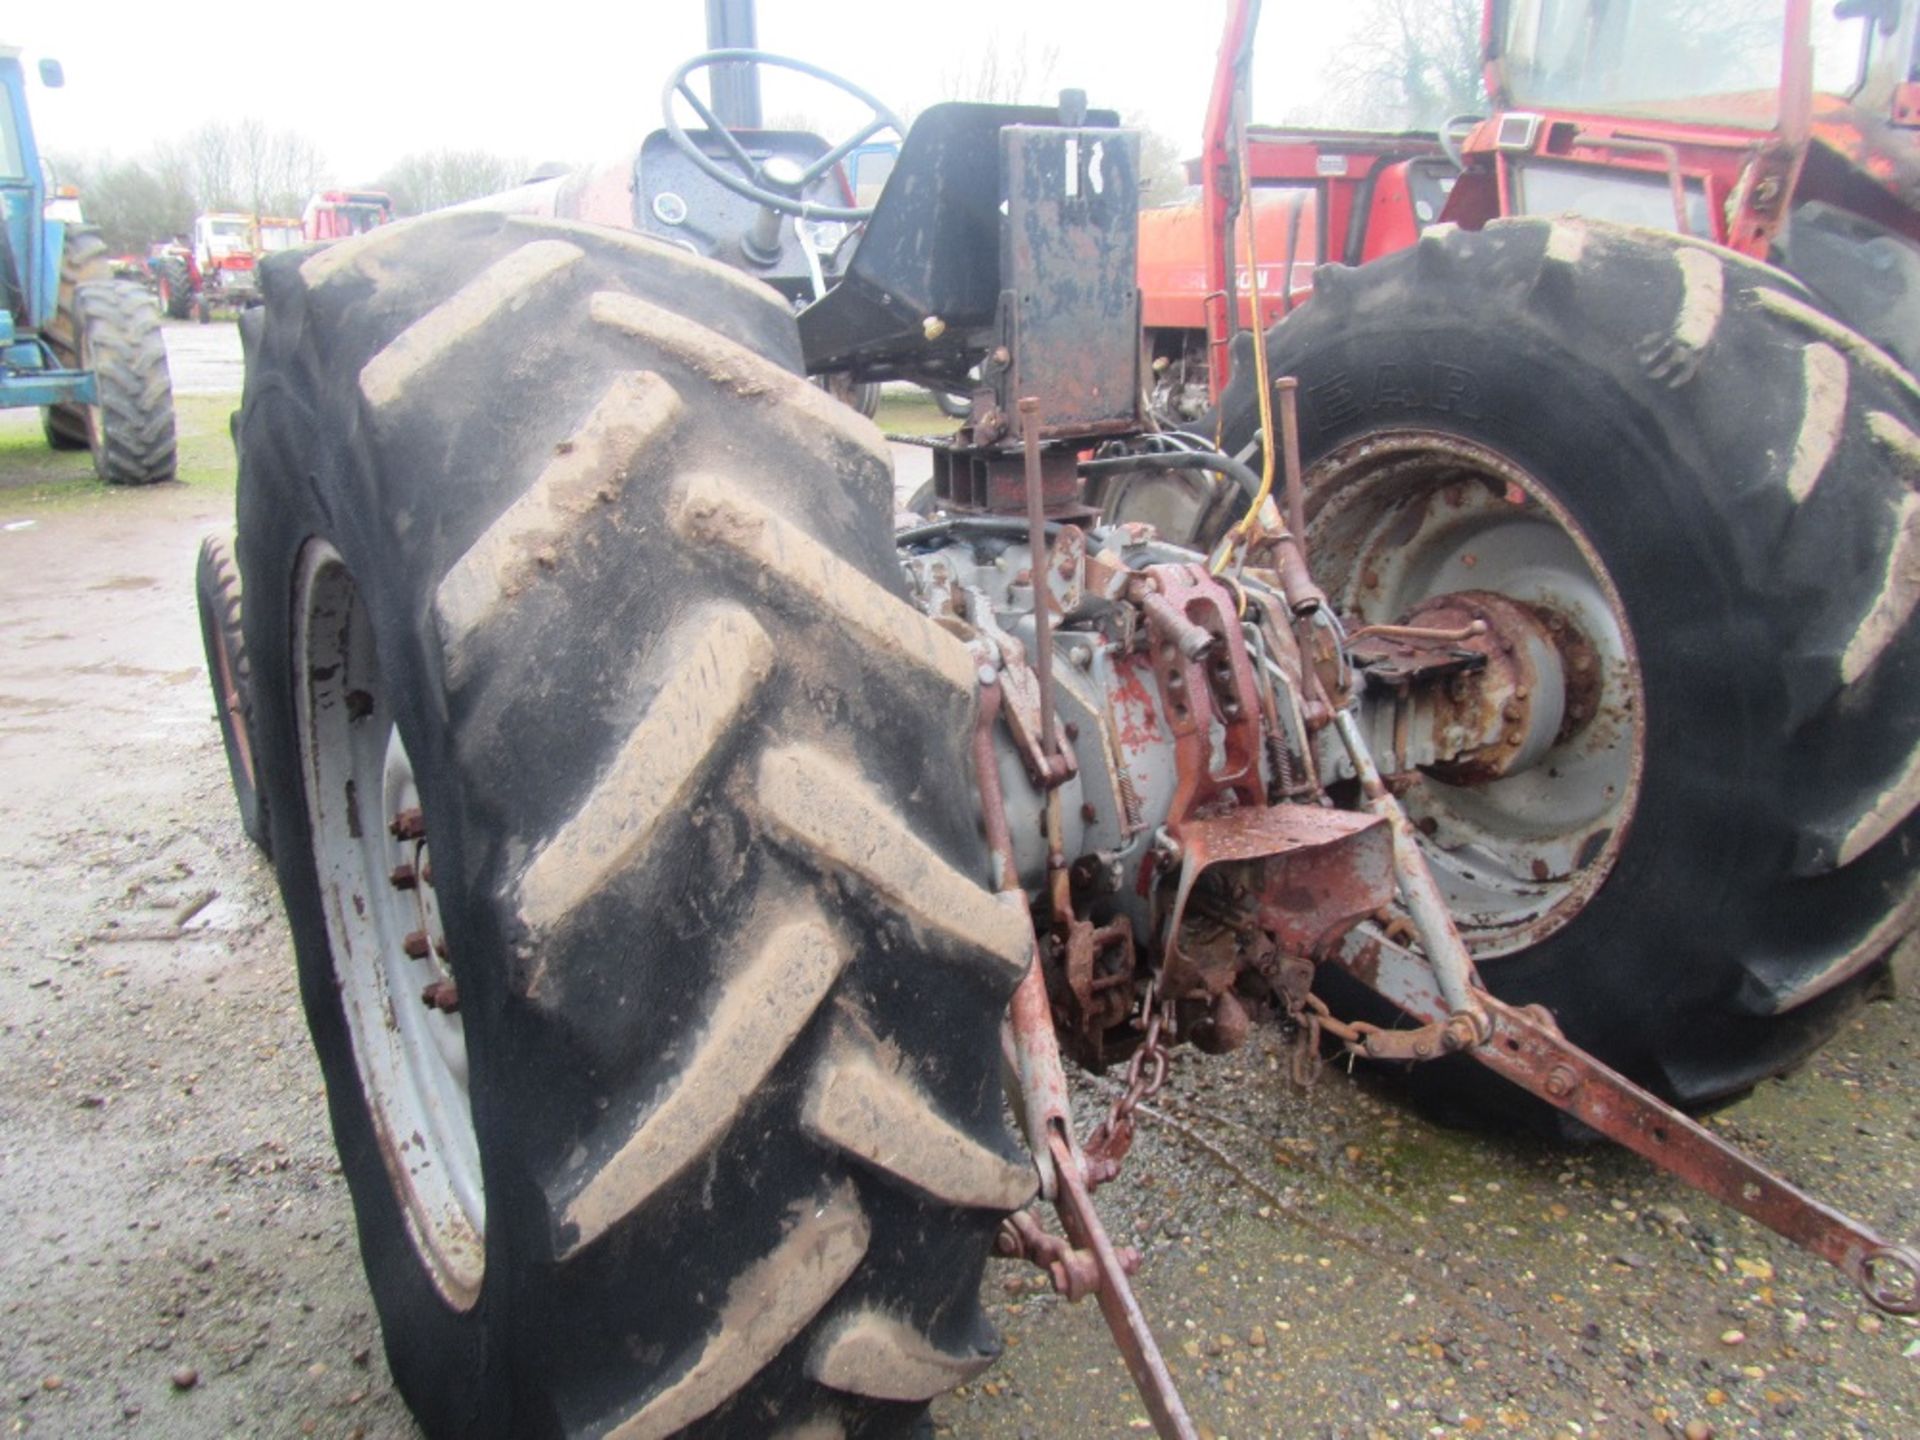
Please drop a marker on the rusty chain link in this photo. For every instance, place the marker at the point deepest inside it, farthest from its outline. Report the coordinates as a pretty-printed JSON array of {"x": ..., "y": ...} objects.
[{"x": 1112, "y": 1138}]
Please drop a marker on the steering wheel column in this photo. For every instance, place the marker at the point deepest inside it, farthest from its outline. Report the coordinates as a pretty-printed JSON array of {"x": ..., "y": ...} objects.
[{"x": 779, "y": 184}]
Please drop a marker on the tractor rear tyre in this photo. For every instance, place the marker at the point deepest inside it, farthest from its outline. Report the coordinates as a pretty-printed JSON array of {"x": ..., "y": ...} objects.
[
  {"x": 84, "y": 260},
  {"x": 130, "y": 425},
  {"x": 590, "y": 714},
  {"x": 174, "y": 282},
  {"x": 216, "y": 585},
  {"x": 1704, "y": 488}
]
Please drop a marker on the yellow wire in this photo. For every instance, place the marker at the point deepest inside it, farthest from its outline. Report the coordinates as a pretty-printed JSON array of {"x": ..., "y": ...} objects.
[{"x": 1247, "y": 521}]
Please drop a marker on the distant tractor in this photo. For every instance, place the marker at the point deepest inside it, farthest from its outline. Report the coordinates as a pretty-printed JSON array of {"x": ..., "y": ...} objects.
[
  {"x": 219, "y": 269},
  {"x": 79, "y": 344},
  {"x": 338, "y": 214}
]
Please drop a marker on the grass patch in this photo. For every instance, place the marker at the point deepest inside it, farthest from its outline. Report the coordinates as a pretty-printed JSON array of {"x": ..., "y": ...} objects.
[
  {"x": 911, "y": 412},
  {"x": 34, "y": 476}
]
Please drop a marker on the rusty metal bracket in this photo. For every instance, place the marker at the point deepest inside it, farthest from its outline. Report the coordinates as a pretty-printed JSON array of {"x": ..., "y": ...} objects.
[
  {"x": 1526, "y": 1047},
  {"x": 1040, "y": 1095},
  {"x": 1074, "y": 1273},
  {"x": 1117, "y": 1303},
  {"x": 1541, "y": 1060}
]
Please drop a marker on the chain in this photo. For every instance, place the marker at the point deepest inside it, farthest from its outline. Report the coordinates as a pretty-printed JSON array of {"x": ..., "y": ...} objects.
[{"x": 1112, "y": 1138}]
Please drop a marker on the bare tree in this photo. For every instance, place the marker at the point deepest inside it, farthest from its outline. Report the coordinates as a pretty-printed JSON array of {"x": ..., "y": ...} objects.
[
  {"x": 1410, "y": 65},
  {"x": 1163, "y": 174},
  {"x": 1021, "y": 74},
  {"x": 246, "y": 165},
  {"x": 212, "y": 167},
  {"x": 132, "y": 202},
  {"x": 430, "y": 179}
]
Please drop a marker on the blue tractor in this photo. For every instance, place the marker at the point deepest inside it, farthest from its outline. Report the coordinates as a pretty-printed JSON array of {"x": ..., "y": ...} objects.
[{"x": 84, "y": 347}]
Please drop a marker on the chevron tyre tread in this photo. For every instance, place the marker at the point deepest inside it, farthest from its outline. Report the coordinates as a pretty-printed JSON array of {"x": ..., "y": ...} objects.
[
  {"x": 132, "y": 433},
  {"x": 84, "y": 259},
  {"x": 1748, "y": 471},
  {"x": 631, "y": 580}
]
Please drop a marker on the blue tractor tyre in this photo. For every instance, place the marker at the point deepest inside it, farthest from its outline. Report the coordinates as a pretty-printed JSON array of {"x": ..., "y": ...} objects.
[{"x": 83, "y": 261}]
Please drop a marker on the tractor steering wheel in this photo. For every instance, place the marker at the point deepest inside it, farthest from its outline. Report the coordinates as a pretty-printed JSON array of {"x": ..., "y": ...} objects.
[
  {"x": 1453, "y": 133},
  {"x": 777, "y": 183}
]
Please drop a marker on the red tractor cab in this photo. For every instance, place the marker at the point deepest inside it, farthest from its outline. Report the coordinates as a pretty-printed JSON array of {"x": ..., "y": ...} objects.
[
  {"x": 336, "y": 214},
  {"x": 1785, "y": 130}
]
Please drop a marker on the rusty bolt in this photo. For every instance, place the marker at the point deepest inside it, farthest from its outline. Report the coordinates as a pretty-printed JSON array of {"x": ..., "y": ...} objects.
[
  {"x": 416, "y": 945},
  {"x": 1458, "y": 1034},
  {"x": 1583, "y": 659},
  {"x": 1089, "y": 814},
  {"x": 1562, "y": 1082},
  {"x": 1001, "y": 355},
  {"x": 441, "y": 995},
  {"x": 403, "y": 877},
  {"x": 408, "y": 825},
  {"x": 1513, "y": 739},
  {"x": 1511, "y": 710}
]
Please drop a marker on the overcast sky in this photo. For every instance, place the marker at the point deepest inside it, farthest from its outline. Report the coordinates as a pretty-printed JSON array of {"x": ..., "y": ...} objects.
[{"x": 576, "y": 82}]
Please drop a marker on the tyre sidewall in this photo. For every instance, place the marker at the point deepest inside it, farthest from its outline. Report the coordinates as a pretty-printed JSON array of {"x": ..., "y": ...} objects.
[
  {"x": 463, "y": 1389},
  {"x": 215, "y": 638}
]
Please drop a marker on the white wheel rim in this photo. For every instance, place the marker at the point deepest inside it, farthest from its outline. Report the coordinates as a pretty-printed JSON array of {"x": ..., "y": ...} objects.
[{"x": 411, "y": 1056}]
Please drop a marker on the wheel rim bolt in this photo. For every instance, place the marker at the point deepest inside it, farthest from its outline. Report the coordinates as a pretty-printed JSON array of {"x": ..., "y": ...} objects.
[
  {"x": 408, "y": 825},
  {"x": 416, "y": 945},
  {"x": 441, "y": 995}
]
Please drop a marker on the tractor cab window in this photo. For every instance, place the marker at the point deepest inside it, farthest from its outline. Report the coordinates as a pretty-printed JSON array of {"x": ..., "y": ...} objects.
[
  {"x": 868, "y": 168},
  {"x": 229, "y": 229},
  {"x": 12, "y": 165},
  {"x": 1717, "y": 61}
]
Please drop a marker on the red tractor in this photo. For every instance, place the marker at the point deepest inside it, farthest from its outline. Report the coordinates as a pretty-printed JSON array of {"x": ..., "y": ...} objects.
[
  {"x": 1745, "y": 133},
  {"x": 338, "y": 214},
  {"x": 1511, "y": 679},
  {"x": 218, "y": 270}
]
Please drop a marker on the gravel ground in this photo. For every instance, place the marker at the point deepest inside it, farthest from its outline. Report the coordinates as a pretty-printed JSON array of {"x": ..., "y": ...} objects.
[
  {"x": 204, "y": 359},
  {"x": 181, "y": 1259}
]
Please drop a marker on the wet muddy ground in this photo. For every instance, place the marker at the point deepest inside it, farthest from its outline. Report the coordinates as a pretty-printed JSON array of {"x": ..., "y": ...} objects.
[{"x": 180, "y": 1258}]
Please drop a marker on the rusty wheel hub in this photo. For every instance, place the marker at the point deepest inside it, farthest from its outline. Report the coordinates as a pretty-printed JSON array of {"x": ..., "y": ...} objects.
[{"x": 1521, "y": 761}]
